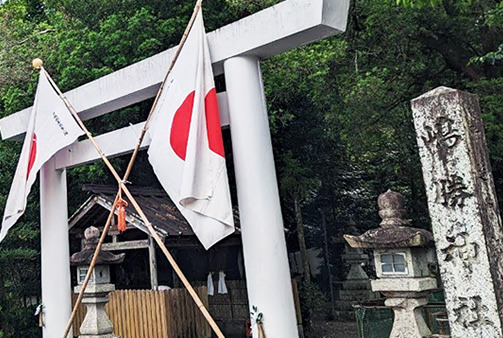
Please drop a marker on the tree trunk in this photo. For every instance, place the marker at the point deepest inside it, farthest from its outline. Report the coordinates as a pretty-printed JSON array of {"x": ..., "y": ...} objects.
[
  {"x": 302, "y": 240},
  {"x": 327, "y": 262}
]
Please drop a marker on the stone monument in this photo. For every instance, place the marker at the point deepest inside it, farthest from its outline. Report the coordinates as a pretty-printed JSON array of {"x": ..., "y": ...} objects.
[
  {"x": 96, "y": 324},
  {"x": 402, "y": 255},
  {"x": 463, "y": 208}
]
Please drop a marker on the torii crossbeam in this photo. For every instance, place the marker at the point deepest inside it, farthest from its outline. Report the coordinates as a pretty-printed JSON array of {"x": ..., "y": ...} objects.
[{"x": 236, "y": 51}]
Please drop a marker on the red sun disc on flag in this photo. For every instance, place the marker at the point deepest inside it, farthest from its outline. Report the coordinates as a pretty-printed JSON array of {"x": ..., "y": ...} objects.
[
  {"x": 213, "y": 127},
  {"x": 33, "y": 154},
  {"x": 181, "y": 125}
]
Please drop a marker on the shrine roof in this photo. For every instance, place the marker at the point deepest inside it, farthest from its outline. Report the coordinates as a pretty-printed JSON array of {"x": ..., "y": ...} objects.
[{"x": 155, "y": 203}]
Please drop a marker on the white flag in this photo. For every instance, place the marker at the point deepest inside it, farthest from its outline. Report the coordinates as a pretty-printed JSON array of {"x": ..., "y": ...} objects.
[
  {"x": 186, "y": 149},
  {"x": 51, "y": 128}
]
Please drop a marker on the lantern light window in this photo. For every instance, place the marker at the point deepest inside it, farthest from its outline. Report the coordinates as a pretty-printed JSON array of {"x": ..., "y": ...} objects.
[{"x": 393, "y": 263}]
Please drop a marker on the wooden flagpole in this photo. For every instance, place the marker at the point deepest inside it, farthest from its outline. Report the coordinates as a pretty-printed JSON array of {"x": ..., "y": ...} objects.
[
  {"x": 122, "y": 187},
  {"x": 197, "y": 8}
]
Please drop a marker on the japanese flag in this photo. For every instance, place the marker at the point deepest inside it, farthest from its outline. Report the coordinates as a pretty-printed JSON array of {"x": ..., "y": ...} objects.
[
  {"x": 51, "y": 127},
  {"x": 186, "y": 149}
]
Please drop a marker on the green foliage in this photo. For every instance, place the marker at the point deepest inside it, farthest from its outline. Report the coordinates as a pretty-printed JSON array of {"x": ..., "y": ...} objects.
[
  {"x": 296, "y": 178},
  {"x": 494, "y": 16},
  {"x": 418, "y": 3},
  {"x": 246, "y": 7},
  {"x": 490, "y": 58},
  {"x": 257, "y": 316},
  {"x": 20, "y": 266},
  {"x": 312, "y": 297},
  {"x": 431, "y": 3},
  {"x": 494, "y": 20}
]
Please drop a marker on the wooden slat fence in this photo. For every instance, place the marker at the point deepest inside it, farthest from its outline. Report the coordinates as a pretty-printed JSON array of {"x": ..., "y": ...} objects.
[{"x": 153, "y": 314}]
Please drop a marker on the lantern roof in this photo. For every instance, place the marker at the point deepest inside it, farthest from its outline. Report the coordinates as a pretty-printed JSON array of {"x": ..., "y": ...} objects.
[
  {"x": 394, "y": 231},
  {"x": 84, "y": 257}
]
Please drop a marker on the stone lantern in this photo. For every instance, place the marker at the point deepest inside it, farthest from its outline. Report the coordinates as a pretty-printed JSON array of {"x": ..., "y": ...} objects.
[
  {"x": 96, "y": 323},
  {"x": 402, "y": 255},
  {"x": 356, "y": 286}
]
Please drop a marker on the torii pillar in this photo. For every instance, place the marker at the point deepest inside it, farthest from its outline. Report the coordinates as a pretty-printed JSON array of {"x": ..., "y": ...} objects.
[
  {"x": 264, "y": 247},
  {"x": 236, "y": 50},
  {"x": 55, "y": 251}
]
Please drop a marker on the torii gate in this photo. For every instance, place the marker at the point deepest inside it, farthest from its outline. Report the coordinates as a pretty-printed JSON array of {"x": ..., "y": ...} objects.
[{"x": 236, "y": 51}]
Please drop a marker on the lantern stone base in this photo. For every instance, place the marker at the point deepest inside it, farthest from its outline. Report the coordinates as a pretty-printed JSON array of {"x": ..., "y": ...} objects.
[
  {"x": 409, "y": 321},
  {"x": 96, "y": 323},
  {"x": 406, "y": 296}
]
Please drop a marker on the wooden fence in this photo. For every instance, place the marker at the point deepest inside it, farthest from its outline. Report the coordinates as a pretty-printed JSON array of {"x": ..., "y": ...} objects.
[{"x": 153, "y": 314}]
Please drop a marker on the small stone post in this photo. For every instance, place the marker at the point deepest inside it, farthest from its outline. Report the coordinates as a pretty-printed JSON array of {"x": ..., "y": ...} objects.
[
  {"x": 96, "y": 323},
  {"x": 356, "y": 286},
  {"x": 357, "y": 278},
  {"x": 463, "y": 210}
]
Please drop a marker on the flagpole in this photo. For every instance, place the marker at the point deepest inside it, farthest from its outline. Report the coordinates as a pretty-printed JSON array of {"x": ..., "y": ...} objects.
[
  {"x": 197, "y": 8},
  {"x": 138, "y": 209}
]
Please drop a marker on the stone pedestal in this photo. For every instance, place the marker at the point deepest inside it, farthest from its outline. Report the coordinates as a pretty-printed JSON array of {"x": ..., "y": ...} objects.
[
  {"x": 406, "y": 296},
  {"x": 409, "y": 321},
  {"x": 96, "y": 324}
]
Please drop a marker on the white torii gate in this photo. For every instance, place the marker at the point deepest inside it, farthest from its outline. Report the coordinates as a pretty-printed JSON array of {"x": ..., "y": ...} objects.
[{"x": 236, "y": 51}]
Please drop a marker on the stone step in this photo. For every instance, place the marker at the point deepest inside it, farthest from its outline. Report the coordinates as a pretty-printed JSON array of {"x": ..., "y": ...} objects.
[
  {"x": 358, "y": 284},
  {"x": 357, "y": 295},
  {"x": 344, "y": 316}
]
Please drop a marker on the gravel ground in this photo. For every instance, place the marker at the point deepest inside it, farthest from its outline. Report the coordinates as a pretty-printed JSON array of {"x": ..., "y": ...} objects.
[{"x": 329, "y": 329}]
